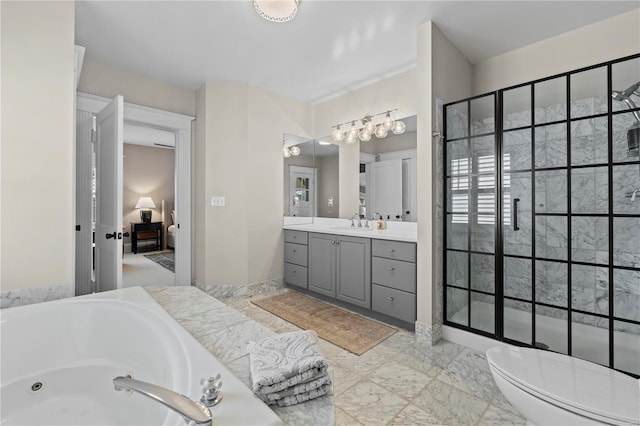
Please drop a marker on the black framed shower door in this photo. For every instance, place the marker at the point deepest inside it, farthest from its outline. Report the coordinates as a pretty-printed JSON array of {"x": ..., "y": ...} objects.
[{"x": 541, "y": 221}]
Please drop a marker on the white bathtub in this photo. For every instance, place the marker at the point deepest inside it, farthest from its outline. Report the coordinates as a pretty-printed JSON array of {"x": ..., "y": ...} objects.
[{"x": 75, "y": 348}]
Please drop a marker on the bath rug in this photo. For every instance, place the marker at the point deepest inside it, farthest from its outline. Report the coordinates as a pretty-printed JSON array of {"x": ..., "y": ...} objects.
[
  {"x": 166, "y": 259},
  {"x": 348, "y": 330}
]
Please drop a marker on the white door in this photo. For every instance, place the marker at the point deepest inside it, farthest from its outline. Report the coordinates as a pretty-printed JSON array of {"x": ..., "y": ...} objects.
[
  {"x": 384, "y": 188},
  {"x": 302, "y": 191},
  {"x": 108, "y": 237}
]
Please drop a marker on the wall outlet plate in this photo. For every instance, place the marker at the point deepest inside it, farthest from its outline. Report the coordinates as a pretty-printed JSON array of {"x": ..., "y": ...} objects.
[{"x": 217, "y": 201}]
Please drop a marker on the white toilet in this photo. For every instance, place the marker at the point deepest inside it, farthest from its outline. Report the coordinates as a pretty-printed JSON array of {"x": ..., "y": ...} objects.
[{"x": 554, "y": 389}]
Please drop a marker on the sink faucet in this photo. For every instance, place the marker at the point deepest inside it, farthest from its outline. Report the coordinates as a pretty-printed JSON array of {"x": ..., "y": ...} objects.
[
  {"x": 192, "y": 411},
  {"x": 356, "y": 215}
]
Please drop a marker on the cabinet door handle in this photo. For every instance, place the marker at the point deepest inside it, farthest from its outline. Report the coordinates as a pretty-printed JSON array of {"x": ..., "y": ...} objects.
[
  {"x": 333, "y": 242},
  {"x": 338, "y": 242},
  {"x": 294, "y": 250},
  {"x": 391, "y": 250},
  {"x": 390, "y": 298},
  {"x": 391, "y": 268}
]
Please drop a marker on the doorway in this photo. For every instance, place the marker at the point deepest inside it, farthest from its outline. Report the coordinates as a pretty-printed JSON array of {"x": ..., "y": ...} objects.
[{"x": 86, "y": 236}]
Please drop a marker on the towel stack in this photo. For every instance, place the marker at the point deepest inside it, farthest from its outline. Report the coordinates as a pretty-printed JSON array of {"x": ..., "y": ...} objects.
[{"x": 288, "y": 368}]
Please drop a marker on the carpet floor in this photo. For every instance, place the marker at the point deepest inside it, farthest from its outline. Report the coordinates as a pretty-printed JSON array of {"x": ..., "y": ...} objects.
[
  {"x": 348, "y": 330},
  {"x": 166, "y": 259}
]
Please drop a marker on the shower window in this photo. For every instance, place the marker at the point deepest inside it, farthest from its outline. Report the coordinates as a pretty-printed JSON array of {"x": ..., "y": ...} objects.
[{"x": 542, "y": 220}]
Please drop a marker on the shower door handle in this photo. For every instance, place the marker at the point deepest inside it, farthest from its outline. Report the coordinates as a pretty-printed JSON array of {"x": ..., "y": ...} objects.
[{"x": 515, "y": 214}]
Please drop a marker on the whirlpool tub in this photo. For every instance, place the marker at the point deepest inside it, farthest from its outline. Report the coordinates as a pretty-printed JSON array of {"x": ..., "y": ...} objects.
[{"x": 58, "y": 361}]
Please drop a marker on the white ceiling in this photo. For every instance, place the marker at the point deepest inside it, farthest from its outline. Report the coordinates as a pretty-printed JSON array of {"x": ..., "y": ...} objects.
[{"x": 331, "y": 47}]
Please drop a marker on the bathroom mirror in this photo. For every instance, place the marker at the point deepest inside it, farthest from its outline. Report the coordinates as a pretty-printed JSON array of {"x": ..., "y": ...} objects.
[
  {"x": 387, "y": 183},
  {"x": 300, "y": 174}
]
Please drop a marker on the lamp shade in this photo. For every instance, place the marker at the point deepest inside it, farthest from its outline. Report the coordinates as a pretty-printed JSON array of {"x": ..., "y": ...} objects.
[{"x": 145, "y": 203}]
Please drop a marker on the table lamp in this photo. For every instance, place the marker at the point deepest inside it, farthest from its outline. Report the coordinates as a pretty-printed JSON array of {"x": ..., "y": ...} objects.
[{"x": 145, "y": 203}]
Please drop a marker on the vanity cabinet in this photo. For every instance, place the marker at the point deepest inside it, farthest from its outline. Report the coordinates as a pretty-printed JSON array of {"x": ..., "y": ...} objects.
[
  {"x": 393, "y": 279},
  {"x": 340, "y": 267},
  {"x": 295, "y": 258}
]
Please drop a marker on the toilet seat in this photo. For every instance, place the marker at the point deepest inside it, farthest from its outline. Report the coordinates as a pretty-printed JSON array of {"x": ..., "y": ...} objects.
[{"x": 575, "y": 385}]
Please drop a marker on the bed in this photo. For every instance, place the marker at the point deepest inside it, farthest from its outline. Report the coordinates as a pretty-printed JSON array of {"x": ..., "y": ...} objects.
[{"x": 169, "y": 222}]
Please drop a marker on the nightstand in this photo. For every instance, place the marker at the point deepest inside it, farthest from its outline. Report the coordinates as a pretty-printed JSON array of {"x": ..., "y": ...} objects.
[{"x": 145, "y": 232}]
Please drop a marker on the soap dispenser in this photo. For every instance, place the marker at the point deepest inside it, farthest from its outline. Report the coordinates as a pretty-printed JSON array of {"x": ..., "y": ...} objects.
[{"x": 380, "y": 223}]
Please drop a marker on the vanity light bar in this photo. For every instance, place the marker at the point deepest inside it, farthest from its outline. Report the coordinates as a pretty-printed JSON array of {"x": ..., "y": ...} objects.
[{"x": 368, "y": 128}]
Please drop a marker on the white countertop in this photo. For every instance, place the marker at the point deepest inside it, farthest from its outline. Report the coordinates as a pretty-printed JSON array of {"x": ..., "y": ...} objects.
[{"x": 396, "y": 231}]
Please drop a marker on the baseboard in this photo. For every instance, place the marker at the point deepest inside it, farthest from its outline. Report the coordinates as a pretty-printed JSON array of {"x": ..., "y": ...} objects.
[{"x": 472, "y": 340}]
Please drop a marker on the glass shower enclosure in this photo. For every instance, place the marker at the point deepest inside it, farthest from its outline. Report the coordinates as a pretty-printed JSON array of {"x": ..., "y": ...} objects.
[{"x": 542, "y": 214}]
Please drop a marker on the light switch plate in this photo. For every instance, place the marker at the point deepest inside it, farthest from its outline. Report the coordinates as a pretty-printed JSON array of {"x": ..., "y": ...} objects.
[{"x": 217, "y": 201}]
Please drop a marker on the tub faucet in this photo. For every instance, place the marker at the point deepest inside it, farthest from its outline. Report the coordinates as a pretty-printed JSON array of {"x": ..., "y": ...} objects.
[{"x": 192, "y": 411}]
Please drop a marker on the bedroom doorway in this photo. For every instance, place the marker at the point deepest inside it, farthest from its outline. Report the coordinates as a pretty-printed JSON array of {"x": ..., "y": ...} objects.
[
  {"x": 148, "y": 119},
  {"x": 148, "y": 193}
]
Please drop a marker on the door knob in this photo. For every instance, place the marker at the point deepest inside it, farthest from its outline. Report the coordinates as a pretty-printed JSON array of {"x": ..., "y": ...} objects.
[
  {"x": 390, "y": 268},
  {"x": 390, "y": 298},
  {"x": 114, "y": 235},
  {"x": 119, "y": 235}
]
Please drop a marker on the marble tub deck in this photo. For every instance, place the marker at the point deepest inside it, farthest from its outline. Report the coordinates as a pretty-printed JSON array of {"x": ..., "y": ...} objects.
[{"x": 399, "y": 382}]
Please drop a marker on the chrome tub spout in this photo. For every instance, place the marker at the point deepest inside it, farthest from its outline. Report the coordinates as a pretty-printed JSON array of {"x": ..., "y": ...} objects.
[{"x": 192, "y": 411}]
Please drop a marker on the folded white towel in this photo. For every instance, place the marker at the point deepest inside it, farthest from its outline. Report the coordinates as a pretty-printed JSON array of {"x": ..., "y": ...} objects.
[
  {"x": 302, "y": 388},
  {"x": 301, "y": 397},
  {"x": 285, "y": 360}
]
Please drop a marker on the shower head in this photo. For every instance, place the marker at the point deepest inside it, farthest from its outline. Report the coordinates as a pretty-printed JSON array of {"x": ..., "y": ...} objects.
[{"x": 624, "y": 95}]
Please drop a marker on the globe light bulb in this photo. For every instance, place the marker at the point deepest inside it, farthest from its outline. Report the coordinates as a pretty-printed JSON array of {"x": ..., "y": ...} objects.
[
  {"x": 350, "y": 139},
  {"x": 295, "y": 150},
  {"x": 337, "y": 135},
  {"x": 369, "y": 126},
  {"x": 287, "y": 153},
  {"x": 381, "y": 131},
  {"x": 353, "y": 131},
  {"x": 398, "y": 127},
  {"x": 365, "y": 135},
  {"x": 388, "y": 122}
]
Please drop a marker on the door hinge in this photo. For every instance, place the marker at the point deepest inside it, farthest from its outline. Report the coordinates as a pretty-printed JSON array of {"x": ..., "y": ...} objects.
[
  {"x": 77, "y": 227},
  {"x": 93, "y": 135}
]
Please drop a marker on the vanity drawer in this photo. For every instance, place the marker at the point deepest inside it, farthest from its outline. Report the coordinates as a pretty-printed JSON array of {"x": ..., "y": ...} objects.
[
  {"x": 295, "y": 253},
  {"x": 295, "y": 275},
  {"x": 394, "y": 250},
  {"x": 299, "y": 237},
  {"x": 395, "y": 303},
  {"x": 394, "y": 273}
]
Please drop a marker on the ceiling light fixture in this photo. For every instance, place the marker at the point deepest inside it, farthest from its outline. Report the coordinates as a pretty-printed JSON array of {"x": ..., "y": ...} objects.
[
  {"x": 369, "y": 128},
  {"x": 276, "y": 10}
]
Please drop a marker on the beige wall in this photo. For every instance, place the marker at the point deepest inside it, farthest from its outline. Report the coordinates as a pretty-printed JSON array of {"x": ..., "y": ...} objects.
[
  {"x": 239, "y": 132},
  {"x": 328, "y": 185},
  {"x": 603, "y": 41},
  {"x": 443, "y": 72},
  {"x": 37, "y": 144},
  {"x": 108, "y": 81},
  {"x": 394, "y": 92},
  {"x": 147, "y": 172}
]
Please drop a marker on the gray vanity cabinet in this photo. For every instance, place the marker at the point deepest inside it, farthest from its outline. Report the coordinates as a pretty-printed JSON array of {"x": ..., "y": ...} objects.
[
  {"x": 394, "y": 279},
  {"x": 295, "y": 258},
  {"x": 322, "y": 264},
  {"x": 340, "y": 267},
  {"x": 353, "y": 271}
]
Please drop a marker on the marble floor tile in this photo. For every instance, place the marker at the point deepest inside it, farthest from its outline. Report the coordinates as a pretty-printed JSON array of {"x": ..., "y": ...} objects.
[
  {"x": 343, "y": 419},
  {"x": 342, "y": 378},
  {"x": 370, "y": 404},
  {"x": 495, "y": 416},
  {"x": 418, "y": 360},
  {"x": 230, "y": 344},
  {"x": 469, "y": 378},
  {"x": 412, "y": 416},
  {"x": 400, "y": 379},
  {"x": 240, "y": 368},
  {"x": 501, "y": 402},
  {"x": 450, "y": 405},
  {"x": 442, "y": 354},
  {"x": 316, "y": 411}
]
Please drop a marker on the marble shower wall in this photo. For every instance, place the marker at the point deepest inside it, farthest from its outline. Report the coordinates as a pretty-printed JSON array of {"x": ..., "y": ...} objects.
[{"x": 588, "y": 193}]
